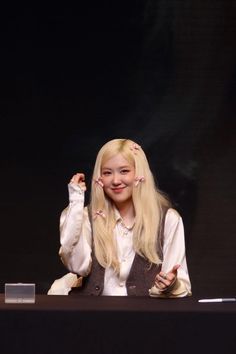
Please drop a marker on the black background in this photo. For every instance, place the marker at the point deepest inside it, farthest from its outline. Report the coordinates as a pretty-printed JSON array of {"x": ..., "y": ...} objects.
[{"x": 74, "y": 76}]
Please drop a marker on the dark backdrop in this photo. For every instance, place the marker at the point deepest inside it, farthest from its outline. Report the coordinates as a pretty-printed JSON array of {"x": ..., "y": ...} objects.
[{"x": 72, "y": 77}]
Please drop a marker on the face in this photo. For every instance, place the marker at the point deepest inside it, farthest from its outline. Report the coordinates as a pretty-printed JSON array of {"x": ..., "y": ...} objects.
[{"x": 118, "y": 180}]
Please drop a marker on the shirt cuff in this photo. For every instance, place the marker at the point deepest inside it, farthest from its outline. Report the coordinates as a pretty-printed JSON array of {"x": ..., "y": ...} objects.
[{"x": 63, "y": 285}]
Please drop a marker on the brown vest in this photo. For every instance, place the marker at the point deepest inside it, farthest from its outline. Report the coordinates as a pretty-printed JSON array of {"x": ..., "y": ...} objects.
[{"x": 140, "y": 279}]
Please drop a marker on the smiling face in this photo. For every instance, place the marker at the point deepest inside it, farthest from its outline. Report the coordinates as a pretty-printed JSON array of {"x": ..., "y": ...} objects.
[{"x": 118, "y": 176}]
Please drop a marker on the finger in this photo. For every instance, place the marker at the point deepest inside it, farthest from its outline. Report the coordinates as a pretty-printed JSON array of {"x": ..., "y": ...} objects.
[
  {"x": 172, "y": 275},
  {"x": 167, "y": 278},
  {"x": 160, "y": 285},
  {"x": 78, "y": 178},
  {"x": 175, "y": 269},
  {"x": 83, "y": 186},
  {"x": 163, "y": 280},
  {"x": 163, "y": 275}
]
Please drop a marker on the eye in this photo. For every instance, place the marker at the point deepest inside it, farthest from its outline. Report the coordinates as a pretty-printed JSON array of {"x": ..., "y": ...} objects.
[
  {"x": 124, "y": 171},
  {"x": 106, "y": 173}
]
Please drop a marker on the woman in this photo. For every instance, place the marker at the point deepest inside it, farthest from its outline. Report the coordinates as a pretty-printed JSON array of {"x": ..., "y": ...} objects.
[{"x": 128, "y": 241}]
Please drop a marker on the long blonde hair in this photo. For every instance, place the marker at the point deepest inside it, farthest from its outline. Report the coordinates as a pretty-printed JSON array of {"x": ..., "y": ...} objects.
[{"x": 148, "y": 202}]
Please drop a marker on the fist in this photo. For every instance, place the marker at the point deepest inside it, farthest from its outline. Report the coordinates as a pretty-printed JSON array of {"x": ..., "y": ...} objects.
[{"x": 79, "y": 179}]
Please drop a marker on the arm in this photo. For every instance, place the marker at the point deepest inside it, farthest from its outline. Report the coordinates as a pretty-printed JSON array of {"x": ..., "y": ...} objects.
[
  {"x": 173, "y": 280},
  {"x": 75, "y": 232}
]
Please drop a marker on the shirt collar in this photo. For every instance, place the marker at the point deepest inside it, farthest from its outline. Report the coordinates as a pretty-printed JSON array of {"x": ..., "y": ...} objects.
[{"x": 118, "y": 217}]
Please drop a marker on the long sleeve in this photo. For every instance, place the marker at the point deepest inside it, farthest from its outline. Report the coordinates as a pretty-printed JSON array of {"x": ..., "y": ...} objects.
[
  {"x": 174, "y": 253},
  {"x": 75, "y": 233}
]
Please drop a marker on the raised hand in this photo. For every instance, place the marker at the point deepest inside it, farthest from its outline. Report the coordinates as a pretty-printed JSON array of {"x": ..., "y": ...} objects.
[{"x": 79, "y": 179}]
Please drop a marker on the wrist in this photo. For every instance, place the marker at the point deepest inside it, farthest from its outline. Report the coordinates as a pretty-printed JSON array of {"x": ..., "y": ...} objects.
[{"x": 76, "y": 193}]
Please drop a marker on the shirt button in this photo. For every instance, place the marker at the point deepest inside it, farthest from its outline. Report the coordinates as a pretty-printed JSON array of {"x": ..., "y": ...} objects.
[
  {"x": 97, "y": 287},
  {"x": 131, "y": 287},
  {"x": 122, "y": 283}
]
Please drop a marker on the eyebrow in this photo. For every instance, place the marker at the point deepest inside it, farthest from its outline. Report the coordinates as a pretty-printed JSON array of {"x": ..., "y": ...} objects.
[{"x": 120, "y": 167}]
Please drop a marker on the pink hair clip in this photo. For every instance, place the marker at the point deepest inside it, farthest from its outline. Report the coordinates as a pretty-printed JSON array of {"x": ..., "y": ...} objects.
[
  {"x": 139, "y": 179},
  {"x": 134, "y": 147},
  {"x": 99, "y": 212},
  {"x": 99, "y": 182}
]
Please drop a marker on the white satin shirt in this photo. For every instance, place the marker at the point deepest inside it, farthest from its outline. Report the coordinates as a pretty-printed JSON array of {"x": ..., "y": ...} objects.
[{"x": 75, "y": 250}]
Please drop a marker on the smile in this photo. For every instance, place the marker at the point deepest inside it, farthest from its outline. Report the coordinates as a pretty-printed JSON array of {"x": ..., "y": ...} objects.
[{"x": 117, "y": 190}]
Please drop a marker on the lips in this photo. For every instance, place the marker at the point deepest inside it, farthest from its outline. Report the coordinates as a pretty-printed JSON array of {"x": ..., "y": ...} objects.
[{"x": 117, "y": 190}]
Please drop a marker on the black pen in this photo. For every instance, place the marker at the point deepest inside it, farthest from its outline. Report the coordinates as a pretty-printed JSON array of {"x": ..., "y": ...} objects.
[{"x": 226, "y": 299}]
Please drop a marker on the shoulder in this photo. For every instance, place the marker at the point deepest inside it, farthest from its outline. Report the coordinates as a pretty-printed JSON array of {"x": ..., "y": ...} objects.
[
  {"x": 173, "y": 217},
  {"x": 173, "y": 213}
]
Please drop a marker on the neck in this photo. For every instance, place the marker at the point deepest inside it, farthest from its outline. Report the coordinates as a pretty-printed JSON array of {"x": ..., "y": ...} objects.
[{"x": 127, "y": 213}]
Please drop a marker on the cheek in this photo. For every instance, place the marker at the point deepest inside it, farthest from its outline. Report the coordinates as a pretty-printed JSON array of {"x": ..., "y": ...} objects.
[
  {"x": 107, "y": 191},
  {"x": 131, "y": 180},
  {"x": 106, "y": 183}
]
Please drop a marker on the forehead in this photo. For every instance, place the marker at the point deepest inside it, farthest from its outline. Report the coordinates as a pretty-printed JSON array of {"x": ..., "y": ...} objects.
[{"x": 116, "y": 161}]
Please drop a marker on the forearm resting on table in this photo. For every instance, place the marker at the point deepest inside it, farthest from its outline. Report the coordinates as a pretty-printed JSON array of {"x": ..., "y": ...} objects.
[{"x": 179, "y": 289}]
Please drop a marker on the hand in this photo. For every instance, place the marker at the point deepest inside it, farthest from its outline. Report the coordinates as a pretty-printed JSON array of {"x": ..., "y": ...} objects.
[
  {"x": 164, "y": 281},
  {"x": 79, "y": 179}
]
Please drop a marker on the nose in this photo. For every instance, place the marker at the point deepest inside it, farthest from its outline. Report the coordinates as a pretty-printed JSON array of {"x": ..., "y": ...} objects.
[{"x": 116, "y": 179}]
